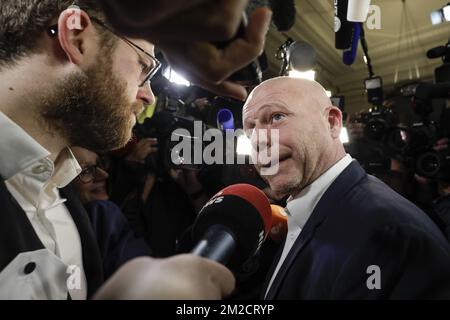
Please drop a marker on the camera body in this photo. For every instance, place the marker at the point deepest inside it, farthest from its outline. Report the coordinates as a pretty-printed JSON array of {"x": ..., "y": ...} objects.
[
  {"x": 378, "y": 120},
  {"x": 415, "y": 144}
]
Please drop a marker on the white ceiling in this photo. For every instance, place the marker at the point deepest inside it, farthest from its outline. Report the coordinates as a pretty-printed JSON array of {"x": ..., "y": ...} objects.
[{"x": 315, "y": 25}]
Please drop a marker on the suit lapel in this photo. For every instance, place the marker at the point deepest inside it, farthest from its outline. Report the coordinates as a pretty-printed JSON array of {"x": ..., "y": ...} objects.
[
  {"x": 92, "y": 262},
  {"x": 342, "y": 185},
  {"x": 272, "y": 270},
  {"x": 17, "y": 235}
]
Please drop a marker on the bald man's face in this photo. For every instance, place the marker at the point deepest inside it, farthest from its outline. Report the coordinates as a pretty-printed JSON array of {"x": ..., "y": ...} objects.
[{"x": 304, "y": 131}]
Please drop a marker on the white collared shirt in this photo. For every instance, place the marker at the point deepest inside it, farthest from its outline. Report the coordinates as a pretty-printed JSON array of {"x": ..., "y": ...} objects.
[
  {"x": 300, "y": 209},
  {"x": 33, "y": 179}
]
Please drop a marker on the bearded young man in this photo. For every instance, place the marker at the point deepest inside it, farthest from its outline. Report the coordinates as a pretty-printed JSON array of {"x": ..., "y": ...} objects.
[{"x": 68, "y": 79}]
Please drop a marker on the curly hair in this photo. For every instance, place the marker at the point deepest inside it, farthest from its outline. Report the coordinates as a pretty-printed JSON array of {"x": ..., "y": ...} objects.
[{"x": 23, "y": 21}]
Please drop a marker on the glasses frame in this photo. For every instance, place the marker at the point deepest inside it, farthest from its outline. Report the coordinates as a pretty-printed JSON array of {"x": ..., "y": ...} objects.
[
  {"x": 53, "y": 31},
  {"x": 102, "y": 164}
]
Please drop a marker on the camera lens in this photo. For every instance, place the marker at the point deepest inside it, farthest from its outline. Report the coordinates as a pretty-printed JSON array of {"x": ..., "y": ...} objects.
[
  {"x": 428, "y": 164},
  {"x": 375, "y": 129}
]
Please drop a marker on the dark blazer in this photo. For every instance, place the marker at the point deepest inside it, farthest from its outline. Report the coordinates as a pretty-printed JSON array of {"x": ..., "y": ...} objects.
[
  {"x": 360, "y": 222},
  {"x": 17, "y": 234},
  {"x": 117, "y": 242}
]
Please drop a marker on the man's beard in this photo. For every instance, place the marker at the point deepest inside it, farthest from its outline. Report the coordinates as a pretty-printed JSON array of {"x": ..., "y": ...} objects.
[
  {"x": 289, "y": 188},
  {"x": 90, "y": 109}
]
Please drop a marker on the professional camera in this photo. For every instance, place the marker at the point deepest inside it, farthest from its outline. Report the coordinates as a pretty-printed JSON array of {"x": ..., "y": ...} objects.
[
  {"x": 378, "y": 120},
  {"x": 414, "y": 144}
]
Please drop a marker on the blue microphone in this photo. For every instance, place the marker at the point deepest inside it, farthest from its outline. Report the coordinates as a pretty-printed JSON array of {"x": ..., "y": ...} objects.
[
  {"x": 225, "y": 119},
  {"x": 349, "y": 55}
]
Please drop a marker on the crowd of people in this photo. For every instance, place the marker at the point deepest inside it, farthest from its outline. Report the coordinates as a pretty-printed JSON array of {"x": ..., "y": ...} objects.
[{"x": 78, "y": 193}]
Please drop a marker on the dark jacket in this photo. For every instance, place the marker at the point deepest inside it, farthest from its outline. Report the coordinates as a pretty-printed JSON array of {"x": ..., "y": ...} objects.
[
  {"x": 360, "y": 223},
  {"x": 117, "y": 242}
]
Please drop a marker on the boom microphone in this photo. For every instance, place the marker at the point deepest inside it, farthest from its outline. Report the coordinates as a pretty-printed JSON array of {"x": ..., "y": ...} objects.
[
  {"x": 342, "y": 28},
  {"x": 232, "y": 226},
  {"x": 438, "y": 52},
  {"x": 349, "y": 56}
]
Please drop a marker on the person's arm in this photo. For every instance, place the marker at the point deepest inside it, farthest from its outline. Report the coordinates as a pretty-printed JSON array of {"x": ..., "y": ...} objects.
[
  {"x": 191, "y": 20},
  {"x": 143, "y": 13},
  {"x": 186, "y": 37},
  {"x": 182, "y": 277},
  {"x": 204, "y": 64}
]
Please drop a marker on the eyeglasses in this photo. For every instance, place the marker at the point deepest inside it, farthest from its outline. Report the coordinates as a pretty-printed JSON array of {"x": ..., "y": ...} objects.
[
  {"x": 88, "y": 174},
  {"x": 148, "y": 69}
]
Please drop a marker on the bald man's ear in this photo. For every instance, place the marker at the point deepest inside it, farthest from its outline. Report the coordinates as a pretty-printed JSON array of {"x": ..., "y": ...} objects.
[
  {"x": 335, "y": 121},
  {"x": 76, "y": 34}
]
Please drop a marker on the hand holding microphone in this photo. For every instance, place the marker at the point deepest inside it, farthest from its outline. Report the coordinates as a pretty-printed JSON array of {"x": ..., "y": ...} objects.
[{"x": 229, "y": 229}]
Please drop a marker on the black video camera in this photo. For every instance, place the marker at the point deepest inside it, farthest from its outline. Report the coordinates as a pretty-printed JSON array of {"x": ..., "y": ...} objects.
[
  {"x": 414, "y": 144},
  {"x": 378, "y": 121}
]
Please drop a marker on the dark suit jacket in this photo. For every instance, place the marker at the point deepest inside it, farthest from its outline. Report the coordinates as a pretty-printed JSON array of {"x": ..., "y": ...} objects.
[
  {"x": 17, "y": 234},
  {"x": 360, "y": 222},
  {"x": 117, "y": 242}
]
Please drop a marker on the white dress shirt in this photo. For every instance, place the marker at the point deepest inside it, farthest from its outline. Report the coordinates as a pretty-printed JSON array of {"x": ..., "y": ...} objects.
[
  {"x": 33, "y": 179},
  {"x": 300, "y": 209}
]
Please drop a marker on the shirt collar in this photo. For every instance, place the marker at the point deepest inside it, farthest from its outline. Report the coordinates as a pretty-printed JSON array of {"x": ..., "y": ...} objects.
[
  {"x": 301, "y": 208},
  {"x": 18, "y": 150},
  {"x": 67, "y": 168}
]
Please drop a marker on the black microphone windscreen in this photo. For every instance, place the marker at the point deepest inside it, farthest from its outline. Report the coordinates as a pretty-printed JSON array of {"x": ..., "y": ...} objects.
[
  {"x": 342, "y": 28},
  {"x": 437, "y": 52},
  {"x": 246, "y": 215}
]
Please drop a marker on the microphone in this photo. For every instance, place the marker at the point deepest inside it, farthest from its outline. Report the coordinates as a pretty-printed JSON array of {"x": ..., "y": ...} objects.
[
  {"x": 342, "y": 28},
  {"x": 225, "y": 119},
  {"x": 438, "y": 52},
  {"x": 279, "y": 223},
  {"x": 233, "y": 225},
  {"x": 357, "y": 10},
  {"x": 284, "y": 14},
  {"x": 301, "y": 56},
  {"x": 349, "y": 56}
]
